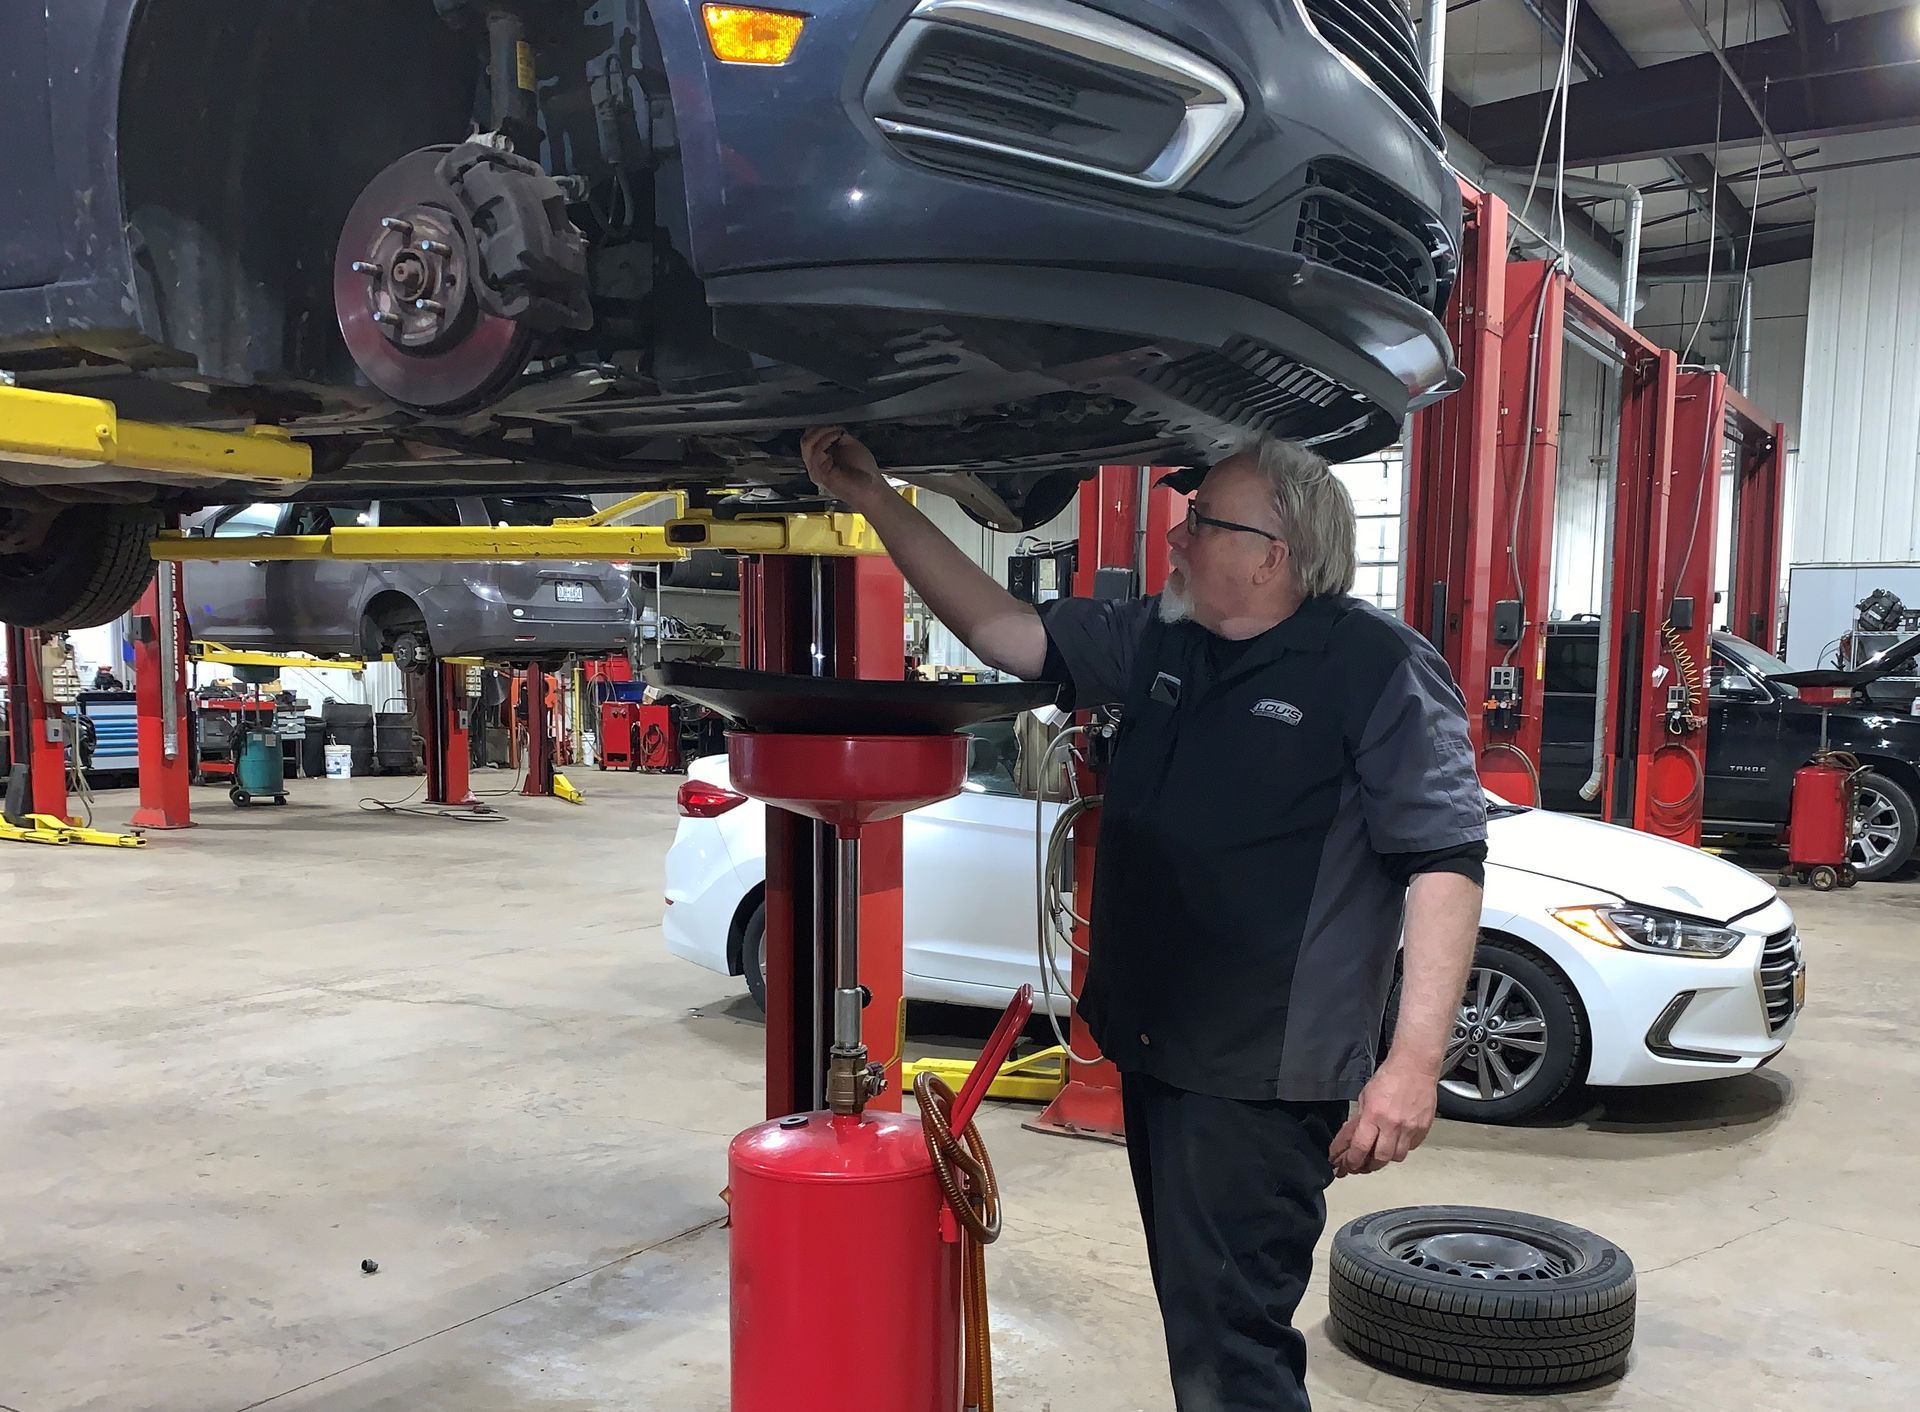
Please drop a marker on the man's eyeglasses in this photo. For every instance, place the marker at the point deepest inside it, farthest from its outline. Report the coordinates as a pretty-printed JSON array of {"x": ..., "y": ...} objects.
[{"x": 1195, "y": 519}]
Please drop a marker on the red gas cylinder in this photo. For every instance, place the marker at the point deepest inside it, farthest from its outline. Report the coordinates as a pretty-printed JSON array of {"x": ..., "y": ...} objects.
[
  {"x": 846, "y": 1268},
  {"x": 1817, "y": 820}
]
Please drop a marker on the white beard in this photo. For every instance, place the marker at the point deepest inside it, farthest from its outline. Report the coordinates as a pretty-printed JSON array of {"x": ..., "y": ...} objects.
[{"x": 1176, "y": 604}]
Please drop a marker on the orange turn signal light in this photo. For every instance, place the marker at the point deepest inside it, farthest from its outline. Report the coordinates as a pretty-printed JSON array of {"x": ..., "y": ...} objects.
[{"x": 744, "y": 34}]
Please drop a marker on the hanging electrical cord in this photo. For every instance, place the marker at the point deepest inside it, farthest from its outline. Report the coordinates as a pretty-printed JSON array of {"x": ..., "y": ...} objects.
[
  {"x": 1054, "y": 917},
  {"x": 1562, "y": 81},
  {"x": 1526, "y": 470},
  {"x": 1713, "y": 201}
]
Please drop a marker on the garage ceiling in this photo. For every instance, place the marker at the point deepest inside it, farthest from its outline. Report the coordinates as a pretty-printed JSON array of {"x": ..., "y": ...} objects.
[{"x": 1653, "y": 105}]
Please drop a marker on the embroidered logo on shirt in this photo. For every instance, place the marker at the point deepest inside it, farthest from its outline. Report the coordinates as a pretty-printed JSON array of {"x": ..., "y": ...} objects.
[{"x": 1277, "y": 711}]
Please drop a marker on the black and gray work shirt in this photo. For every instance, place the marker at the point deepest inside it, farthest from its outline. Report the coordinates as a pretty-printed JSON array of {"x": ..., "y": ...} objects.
[{"x": 1267, "y": 803}]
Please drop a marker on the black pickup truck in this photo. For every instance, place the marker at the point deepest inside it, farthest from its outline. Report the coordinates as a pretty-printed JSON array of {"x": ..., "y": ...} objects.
[{"x": 1759, "y": 732}]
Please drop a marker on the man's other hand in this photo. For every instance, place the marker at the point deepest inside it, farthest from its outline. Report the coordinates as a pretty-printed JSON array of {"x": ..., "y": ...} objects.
[
  {"x": 1394, "y": 1115},
  {"x": 840, "y": 465}
]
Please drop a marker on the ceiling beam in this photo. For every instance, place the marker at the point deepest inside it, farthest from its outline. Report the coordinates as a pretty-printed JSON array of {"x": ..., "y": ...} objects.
[
  {"x": 1772, "y": 245},
  {"x": 1865, "y": 77},
  {"x": 1599, "y": 51}
]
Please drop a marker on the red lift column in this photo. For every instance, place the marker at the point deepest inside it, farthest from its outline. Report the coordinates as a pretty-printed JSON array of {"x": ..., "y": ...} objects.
[
  {"x": 1481, "y": 478},
  {"x": 845, "y": 618},
  {"x": 160, "y": 702},
  {"x": 443, "y": 715},
  {"x": 1635, "y": 720},
  {"x": 1680, "y": 612},
  {"x": 539, "y": 780},
  {"x": 1448, "y": 590},
  {"x": 38, "y": 729},
  {"x": 1759, "y": 490}
]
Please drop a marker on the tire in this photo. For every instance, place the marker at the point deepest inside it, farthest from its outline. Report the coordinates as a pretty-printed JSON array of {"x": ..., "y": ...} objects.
[
  {"x": 241, "y": 799},
  {"x": 753, "y": 955},
  {"x": 1471, "y": 1297},
  {"x": 1887, "y": 808},
  {"x": 1537, "y": 989},
  {"x": 92, "y": 567}
]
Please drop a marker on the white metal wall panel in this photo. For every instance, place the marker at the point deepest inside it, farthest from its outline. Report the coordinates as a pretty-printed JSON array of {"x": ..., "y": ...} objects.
[
  {"x": 1854, "y": 497},
  {"x": 989, "y": 549}
]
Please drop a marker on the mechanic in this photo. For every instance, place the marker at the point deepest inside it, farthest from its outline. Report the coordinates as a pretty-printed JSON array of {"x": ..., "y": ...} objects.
[{"x": 1292, "y": 780}]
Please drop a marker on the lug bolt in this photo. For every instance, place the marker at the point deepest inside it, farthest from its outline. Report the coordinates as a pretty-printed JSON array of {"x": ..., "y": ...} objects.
[
  {"x": 394, "y": 223},
  {"x": 365, "y": 267},
  {"x": 436, "y": 247},
  {"x": 431, "y": 306},
  {"x": 381, "y": 316}
]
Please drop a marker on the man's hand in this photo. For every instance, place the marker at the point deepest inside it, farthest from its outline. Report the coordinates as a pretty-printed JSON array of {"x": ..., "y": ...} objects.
[
  {"x": 1393, "y": 1116},
  {"x": 840, "y": 465}
]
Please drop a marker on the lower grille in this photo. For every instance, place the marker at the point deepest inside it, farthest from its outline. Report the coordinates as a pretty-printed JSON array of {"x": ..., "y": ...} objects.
[
  {"x": 1016, "y": 85},
  {"x": 1780, "y": 965},
  {"x": 1250, "y": 385},
  {"x": 1352, "y": 223},
  {"x": 1376, "y": 36}
]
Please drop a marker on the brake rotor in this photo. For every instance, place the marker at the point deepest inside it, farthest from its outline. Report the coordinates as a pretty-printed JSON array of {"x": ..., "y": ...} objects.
[{"x": 404, "y": 278}]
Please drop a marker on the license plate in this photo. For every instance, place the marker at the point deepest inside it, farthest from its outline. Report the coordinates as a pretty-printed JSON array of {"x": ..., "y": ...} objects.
[
  {"x": 570, "y": 592},
  {"x": 1800, "y": 987}
]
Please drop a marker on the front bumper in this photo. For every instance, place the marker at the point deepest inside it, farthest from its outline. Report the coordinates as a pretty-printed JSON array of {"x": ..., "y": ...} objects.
[
  {"x": 795, "y": 201},
  {"x": 1678, "y": 1020}
]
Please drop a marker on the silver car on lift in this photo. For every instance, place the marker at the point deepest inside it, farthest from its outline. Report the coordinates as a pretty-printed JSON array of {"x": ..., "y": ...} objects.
[{"x": 515, "y": 611}]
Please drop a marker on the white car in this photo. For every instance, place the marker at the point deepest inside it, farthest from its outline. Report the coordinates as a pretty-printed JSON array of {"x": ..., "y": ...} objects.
[{"x": 1606, "y": 956}]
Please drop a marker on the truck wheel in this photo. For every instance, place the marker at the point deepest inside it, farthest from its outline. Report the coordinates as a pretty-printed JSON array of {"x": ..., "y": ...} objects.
[
  {"x": 1886, "y": 827},
  {"x": 93, "y": 565},
  {"x": 1477, "y": 1298}
]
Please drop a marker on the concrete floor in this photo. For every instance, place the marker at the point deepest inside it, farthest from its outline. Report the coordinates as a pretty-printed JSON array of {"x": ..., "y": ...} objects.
[{"x": 235, "y": 1064}]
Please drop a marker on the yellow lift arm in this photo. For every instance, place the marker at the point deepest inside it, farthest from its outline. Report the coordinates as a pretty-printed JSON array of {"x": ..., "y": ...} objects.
[
  {"x": 60, "y": 429},
  {"x": 825, "y": 533}
]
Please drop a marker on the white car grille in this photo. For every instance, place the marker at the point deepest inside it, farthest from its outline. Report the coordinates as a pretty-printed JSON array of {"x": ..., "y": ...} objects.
[{"x": 1780, "y": 967}]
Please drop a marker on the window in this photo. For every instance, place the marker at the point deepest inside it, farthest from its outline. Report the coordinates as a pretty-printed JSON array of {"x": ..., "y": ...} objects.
[
  {"x": 248, "y": 521},
  {"x": 1751, "y": 663},
  {"x": 514, "y": 510},
  {"x": 319, "y": 519},
  {"x": 419, "y": 514},
  {"x": 1728, "y": 681},
  {"x": 1573, "y": 663}
]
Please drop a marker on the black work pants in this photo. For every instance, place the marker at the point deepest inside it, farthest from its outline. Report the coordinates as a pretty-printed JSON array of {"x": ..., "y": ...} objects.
[{"x": 1233, "y": 1197}]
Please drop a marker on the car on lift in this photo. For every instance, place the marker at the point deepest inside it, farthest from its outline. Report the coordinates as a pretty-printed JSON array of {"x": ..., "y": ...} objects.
[
  {"x": 1606, "y": 957},
  {"x": 1759, "y": 731},
  {"x": 516, "y": 612},
  {"x": 467, "y": 245}
]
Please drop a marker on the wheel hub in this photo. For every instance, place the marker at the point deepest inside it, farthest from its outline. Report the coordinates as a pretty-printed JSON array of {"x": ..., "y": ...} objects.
[
  {"x": 406, "y": 293},
  {"x": 419, "y": 284},
  {"x": 1484, "y": 1255}
]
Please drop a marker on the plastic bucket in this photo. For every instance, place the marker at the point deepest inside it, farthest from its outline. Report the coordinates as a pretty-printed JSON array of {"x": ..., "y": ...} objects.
[{"x": 339, "y": 762}]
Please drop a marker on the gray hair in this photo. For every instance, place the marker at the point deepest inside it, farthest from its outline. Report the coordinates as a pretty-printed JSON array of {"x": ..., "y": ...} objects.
[{"x": 1315, "y": 509}]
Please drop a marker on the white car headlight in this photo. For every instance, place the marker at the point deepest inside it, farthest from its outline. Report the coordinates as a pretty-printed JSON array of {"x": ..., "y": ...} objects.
[{"x": 1638, "y": 929}]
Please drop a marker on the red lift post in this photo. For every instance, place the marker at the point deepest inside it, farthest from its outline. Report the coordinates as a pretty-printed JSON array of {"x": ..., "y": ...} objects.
[
  {"x": 1759, "y": 497},
  {"x": 161, "y": 704},
  {"x": 1653, "y": 695},
  {"x": 36, "y": 726},
  {"x": 1480, "y": 497},
  {"x": 1117, "y": 531},
  {"x": 539, "y": 759},
  {"x": 844, "y": 618},
  {"x": 444, "y": 711}
]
